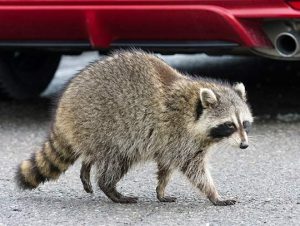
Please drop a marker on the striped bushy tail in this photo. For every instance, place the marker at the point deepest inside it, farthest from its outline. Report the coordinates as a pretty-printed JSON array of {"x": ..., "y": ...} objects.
[{"x": 47, "y": 164}]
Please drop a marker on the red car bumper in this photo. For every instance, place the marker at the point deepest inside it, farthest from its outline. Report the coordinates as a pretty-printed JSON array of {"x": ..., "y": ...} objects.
[{"x": 102, "y": 24}]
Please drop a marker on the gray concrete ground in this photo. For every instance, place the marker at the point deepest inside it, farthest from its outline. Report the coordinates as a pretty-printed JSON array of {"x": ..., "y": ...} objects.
[{"x": 264, "y": 178}]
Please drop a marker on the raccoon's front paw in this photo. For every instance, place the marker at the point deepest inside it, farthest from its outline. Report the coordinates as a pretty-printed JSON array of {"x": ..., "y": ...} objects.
[{"x": 227, "y": 202}]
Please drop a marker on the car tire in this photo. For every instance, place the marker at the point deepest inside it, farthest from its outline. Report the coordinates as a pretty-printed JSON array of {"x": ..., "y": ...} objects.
[{"x": 25, "y": 75}]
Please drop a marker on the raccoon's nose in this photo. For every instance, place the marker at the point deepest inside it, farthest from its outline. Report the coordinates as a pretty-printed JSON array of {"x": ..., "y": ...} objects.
[{"x": 244, "y": 145}]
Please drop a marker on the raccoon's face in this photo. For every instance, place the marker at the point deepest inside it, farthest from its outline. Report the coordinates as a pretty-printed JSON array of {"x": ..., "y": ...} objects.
[{"x": 226, "y": 115}]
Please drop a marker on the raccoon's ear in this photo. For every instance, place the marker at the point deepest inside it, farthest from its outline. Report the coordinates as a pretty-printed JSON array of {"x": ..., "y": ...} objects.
[
  {"x": 208, "y": 97},
  {"x": 241, "y": 91}
]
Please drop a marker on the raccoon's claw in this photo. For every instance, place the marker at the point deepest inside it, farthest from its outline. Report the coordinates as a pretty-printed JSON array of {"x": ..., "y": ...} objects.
[
  {"x": 88, "y": 187},
  {"x": 126, "y": 199},
  {"x": 85, "y": 177},
  {"x": 227, "y": 202},
  {"x": 167, "y": 199}
]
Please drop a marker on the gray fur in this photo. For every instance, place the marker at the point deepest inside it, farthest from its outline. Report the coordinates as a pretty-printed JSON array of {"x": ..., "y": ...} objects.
[{"x": 132, "y": 107}]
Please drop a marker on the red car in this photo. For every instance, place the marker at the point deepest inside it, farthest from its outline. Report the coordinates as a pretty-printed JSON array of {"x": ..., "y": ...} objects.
[{"x": 35, "y": 33}]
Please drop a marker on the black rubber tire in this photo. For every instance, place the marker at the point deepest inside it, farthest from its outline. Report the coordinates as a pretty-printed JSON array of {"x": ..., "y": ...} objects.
[{"x": 25, "y": 75}]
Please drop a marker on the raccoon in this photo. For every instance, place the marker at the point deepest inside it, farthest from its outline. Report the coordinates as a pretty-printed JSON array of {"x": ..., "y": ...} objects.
[{"x": 133, "y": 107}]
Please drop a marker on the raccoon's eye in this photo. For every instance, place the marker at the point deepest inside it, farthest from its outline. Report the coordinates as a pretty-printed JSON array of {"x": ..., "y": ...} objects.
[
  {"x": 247, "y": 126},
  {"x": 229, "y": 125},
  {"x": 223, "y": 130}
]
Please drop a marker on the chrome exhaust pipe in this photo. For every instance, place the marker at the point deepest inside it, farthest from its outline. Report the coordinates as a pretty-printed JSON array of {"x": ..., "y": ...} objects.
[{"x": 287, "y": 44}]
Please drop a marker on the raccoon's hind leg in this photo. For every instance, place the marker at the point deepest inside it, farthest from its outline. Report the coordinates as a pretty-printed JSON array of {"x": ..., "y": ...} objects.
[
  {"x": 163, "y": 176},
  {"x": 85, "y": 176},
  {"x": 112, "y": 172}
]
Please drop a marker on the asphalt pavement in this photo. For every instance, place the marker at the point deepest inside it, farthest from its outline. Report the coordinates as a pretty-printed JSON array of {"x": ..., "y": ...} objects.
[{"x": 263, "y": 178}]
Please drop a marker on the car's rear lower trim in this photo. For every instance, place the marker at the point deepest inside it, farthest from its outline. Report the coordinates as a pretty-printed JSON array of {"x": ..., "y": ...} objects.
[
  {"x": 155, "y": 46},
  {"x": 174, "y": 46}
]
